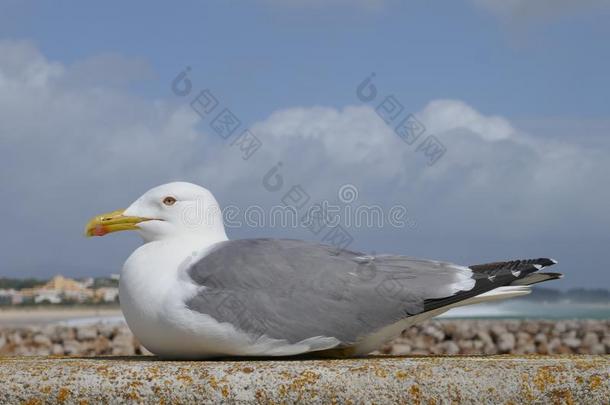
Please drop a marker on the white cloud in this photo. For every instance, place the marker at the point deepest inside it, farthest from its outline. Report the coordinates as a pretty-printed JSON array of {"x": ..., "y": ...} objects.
[
  {"x": 454, "y": 115},
  {"x": 43, "y": 111},
  {"x": 342, "y": 137},
  {"x": 72, "y": 148},
  {"x": 491, "y": 177},
  {"x": 23, "y": 65}
]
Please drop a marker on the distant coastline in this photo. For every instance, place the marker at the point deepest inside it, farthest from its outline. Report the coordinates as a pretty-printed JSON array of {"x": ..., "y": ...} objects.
[{"x": 63, "y": 292}]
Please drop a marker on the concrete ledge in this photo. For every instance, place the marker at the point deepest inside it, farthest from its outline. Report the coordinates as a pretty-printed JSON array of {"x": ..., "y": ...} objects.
[{"x": 426, "y": 380}]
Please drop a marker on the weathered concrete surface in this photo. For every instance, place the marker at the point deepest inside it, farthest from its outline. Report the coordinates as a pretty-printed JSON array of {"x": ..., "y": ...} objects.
[{"x": 426, "y": 380}]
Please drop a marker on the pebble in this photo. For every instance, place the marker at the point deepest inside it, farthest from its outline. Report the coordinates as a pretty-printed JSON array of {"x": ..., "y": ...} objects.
[
  {"x": 399, "y": 349},
  {"x": 506, "y": 342},
  {"x": 86, "y": 333},
  {"x": 42, "y": 340},
  {"x": 73, "y": 347}
]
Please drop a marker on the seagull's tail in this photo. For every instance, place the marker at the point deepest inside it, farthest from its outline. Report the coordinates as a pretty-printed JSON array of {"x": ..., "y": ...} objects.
[
  {"x": 517, "y": 288},
  {"x": 498, "y": 280},
  {"x": 525, "y": 272}
]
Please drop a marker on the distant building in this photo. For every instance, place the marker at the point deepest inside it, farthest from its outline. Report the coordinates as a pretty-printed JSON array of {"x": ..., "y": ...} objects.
[
  {"x": 68, "y": 288},
  {"x": 62, "y": 283},
  {"x": 10, "y": 297},
  {"x": 17, "y": 298},
  {"x": 47, "y": 296},
  {"x": 28, "y": 295},
  {"x": 107, "y": 294},
  {"x": 88, "y": 282},
  {"x": 61, "y": 289},
  {"x": 56, "y": 290}
]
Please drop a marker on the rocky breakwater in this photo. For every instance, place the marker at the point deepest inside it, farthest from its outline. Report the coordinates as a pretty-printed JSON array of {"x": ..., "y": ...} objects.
[
  {"x": 475, "y": 337},
  {"x": 437, "y": 337},
  {"x": 85, "y": 340}
]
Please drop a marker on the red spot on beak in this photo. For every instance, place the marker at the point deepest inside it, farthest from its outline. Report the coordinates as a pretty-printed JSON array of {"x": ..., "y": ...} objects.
[{"x": 100, "y": 230}]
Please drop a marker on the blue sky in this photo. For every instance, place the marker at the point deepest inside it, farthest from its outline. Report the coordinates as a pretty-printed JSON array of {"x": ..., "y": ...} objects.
[
  {"x": 524, "y": 174},
  {"x": 546, "y": 66}
]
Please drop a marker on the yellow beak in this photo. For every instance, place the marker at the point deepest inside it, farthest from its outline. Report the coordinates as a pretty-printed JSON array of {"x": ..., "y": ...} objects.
[{"x": 112, "y": 222}]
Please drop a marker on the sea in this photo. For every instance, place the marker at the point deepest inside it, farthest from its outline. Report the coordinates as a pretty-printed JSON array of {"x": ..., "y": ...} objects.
[{"x": 522, "y": 309}]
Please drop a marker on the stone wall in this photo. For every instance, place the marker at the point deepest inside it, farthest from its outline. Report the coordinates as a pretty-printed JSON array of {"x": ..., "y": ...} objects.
[{"x": 386, "y": 379}]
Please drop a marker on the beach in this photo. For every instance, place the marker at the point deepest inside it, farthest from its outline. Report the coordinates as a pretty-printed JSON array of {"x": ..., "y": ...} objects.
[{"x": 43, "y": 315}]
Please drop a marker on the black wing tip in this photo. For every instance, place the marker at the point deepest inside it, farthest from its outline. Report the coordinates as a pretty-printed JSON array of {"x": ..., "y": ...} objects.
[
  {"x": 538, "y": 264},
  {"x": 546, "y": 262}
]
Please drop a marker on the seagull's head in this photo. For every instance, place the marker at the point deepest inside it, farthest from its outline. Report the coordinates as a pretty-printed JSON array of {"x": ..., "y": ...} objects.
[{"x": 168, "y": 211}]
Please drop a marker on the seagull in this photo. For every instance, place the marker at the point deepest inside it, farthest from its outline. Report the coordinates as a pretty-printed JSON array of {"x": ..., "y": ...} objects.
[{"x": 191, "y": 293}]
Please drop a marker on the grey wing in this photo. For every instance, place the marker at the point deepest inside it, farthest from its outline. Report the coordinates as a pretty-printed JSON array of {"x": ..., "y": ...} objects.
[{"x": 295, "y": 290}]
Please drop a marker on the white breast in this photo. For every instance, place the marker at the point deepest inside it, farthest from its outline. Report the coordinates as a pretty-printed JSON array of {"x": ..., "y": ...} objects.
[{"x": 149, "y": 284}]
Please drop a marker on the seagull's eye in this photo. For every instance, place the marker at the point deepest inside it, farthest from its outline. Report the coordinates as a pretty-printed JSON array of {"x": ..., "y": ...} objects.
[{"x": 169, "y": 201}]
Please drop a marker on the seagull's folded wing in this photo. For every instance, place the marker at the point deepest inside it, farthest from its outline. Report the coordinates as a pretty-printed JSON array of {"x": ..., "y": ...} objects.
[{"x": 296, "y": 290}]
